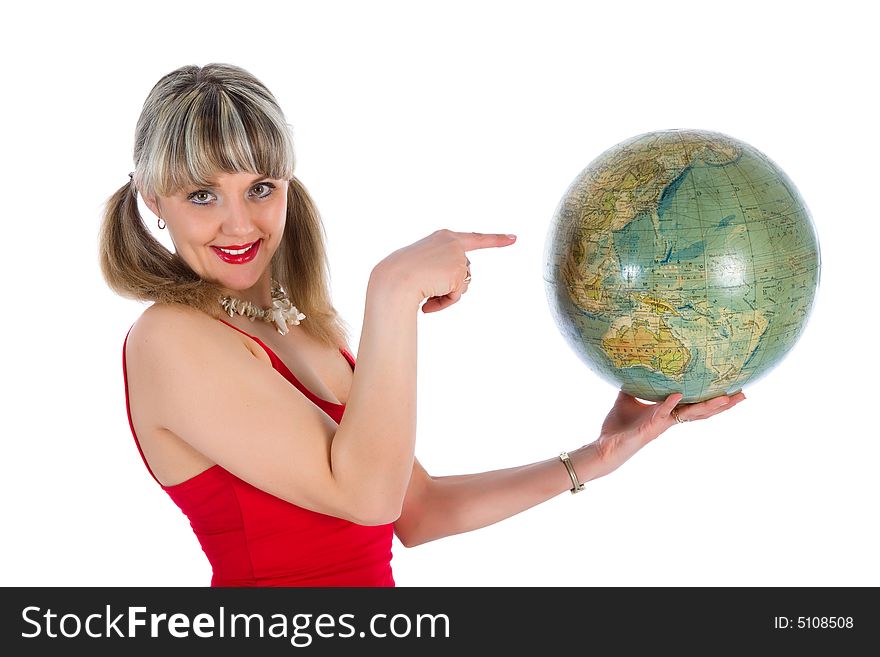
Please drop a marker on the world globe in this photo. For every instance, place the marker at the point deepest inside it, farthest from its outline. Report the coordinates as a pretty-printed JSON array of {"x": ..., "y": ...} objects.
[{"x": 681, "y": 261}]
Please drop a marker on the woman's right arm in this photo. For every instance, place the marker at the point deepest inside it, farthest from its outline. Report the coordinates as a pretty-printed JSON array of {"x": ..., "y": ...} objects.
[
  {"x": 243, "y": 415},
  {"x": 373, "y": 449},
  {"x": 199, "y": 380}
]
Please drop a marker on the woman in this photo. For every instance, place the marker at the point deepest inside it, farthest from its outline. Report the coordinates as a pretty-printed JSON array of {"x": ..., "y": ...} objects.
[{"x": 294, "y": 466}]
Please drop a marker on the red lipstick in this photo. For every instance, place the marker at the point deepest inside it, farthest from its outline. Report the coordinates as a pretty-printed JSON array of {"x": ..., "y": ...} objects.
[{"x": 241, "y": 258}]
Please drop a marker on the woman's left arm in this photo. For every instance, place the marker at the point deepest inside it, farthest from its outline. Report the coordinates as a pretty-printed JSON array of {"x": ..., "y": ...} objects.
[{"x": 435, "y": 507}]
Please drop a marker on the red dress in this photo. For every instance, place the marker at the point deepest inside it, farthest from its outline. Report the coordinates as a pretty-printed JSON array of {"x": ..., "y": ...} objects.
[{"x": 252, "y": 538}]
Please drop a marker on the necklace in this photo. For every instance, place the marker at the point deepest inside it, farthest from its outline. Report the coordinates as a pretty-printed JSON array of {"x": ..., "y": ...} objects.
[{"x": 282, "y": 312}]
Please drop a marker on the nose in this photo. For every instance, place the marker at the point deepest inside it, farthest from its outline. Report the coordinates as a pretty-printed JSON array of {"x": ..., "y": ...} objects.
[{"x": 236, "y": 218}]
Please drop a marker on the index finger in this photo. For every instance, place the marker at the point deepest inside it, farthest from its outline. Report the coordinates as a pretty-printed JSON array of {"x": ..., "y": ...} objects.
[{"x": 473, "y": 241}]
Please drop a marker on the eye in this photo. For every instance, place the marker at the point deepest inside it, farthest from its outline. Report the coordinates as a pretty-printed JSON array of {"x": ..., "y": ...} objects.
[
  {"x": 200, "y": 197},
  {"x": 263, "y": 189}
]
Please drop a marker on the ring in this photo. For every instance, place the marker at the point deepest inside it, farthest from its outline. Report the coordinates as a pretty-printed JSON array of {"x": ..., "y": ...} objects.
[{"x": 677, "y": 417}]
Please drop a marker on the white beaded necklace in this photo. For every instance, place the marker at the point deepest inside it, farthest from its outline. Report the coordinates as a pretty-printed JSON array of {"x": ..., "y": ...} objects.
[{"x": 282, "y": 312}]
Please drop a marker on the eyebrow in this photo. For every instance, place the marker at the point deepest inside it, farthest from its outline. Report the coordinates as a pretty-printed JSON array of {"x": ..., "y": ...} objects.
[{"x": 213, "y": 183}]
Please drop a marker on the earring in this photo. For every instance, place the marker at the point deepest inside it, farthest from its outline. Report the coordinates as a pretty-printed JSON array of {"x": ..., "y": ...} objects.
[{"x": 160, "y": 223}]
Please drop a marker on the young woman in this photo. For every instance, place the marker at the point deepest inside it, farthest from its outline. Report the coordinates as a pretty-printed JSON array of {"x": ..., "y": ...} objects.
[{"x": 293, "y": 465}]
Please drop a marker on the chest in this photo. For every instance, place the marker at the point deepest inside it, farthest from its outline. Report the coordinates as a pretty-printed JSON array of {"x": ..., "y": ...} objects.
[{"x": 323, "y": 370}]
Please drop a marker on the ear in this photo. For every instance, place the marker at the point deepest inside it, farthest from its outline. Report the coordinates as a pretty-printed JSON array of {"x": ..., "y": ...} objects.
[{"x": 153, "y": 204}]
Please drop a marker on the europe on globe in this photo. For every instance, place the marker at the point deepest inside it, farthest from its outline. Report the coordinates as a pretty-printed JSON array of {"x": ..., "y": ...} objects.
[{"x": 681, "y": 261}]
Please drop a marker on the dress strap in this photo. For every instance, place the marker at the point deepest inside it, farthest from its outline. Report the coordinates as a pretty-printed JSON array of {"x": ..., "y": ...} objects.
[
  {"x": 128, "y": 408},
  {"x": 273, "y": 357}
]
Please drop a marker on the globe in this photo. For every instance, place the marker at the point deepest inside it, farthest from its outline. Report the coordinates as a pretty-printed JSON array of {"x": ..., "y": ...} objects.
[{"x": 681, "y": 261}]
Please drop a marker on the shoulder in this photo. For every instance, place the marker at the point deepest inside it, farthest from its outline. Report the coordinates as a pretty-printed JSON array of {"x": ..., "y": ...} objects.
[
  {"x": 174, "y": 314},
  {"x": 165, "y": 330},
  {"x": 162, "y": 321},
  {"x": 174, "y": 350}
]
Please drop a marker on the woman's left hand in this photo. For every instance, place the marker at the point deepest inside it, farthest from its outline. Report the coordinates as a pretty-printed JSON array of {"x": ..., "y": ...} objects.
[{"x": 632, "y": 424}]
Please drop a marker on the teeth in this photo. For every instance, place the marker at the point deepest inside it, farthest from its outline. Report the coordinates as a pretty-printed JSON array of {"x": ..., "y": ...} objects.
[{"x": 235, "y": 251}]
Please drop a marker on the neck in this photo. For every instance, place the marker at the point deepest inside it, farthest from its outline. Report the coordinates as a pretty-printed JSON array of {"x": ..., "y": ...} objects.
[{"x": 259, "y": 294}]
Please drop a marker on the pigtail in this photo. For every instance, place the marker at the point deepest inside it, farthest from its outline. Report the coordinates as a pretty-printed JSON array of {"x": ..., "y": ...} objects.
[{"x": 137, "y": 266}]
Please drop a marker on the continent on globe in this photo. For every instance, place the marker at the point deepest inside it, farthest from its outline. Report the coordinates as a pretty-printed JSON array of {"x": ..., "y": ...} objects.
[
  {"x": 681, "y": 261},
  {"x": 634, "y": 341}
]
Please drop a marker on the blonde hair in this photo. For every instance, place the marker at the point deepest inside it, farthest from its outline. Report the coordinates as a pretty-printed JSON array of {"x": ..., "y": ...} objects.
[{"x": 195, "y": 123}]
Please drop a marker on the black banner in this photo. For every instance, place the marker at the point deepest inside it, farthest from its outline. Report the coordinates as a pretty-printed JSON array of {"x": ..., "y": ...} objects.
[{"x": 320, "y": 621}]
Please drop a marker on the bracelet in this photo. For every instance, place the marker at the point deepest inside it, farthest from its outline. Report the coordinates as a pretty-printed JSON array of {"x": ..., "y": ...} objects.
[{"x": 576, "y": 486}]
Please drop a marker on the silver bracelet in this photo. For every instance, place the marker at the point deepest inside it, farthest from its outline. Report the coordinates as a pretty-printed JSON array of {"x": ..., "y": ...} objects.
[{"x": 576, "y": 486}]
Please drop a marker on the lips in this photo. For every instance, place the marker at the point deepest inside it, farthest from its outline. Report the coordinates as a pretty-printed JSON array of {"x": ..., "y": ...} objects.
[{"x": 238, "y": 258}]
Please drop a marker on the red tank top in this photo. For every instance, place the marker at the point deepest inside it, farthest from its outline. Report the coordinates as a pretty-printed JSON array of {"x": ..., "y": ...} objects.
[{"x": 252, "y": 538}]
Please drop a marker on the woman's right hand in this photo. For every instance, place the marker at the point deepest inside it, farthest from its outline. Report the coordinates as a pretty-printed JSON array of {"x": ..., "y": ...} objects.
[{"x": 435, "y": 267}]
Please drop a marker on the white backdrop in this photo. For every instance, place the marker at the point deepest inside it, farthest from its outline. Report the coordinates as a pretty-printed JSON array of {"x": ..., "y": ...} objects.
[{"x": 473, "y": 116}]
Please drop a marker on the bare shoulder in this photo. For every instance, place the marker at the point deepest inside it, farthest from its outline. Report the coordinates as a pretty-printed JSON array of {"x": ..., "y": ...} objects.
[
  {"x": 171, "y": 348},
  {"x": 166, "y": 330},
  {"x": 165, "y": 319},
  {"x": 198, "y": 380}
]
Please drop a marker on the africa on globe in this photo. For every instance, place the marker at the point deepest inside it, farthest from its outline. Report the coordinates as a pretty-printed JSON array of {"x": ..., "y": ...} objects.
[{"x": 681, "y": 261}]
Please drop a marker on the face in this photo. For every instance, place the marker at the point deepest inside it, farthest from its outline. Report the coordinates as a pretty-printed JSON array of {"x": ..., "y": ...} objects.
[{"x": 227, "y": 232}]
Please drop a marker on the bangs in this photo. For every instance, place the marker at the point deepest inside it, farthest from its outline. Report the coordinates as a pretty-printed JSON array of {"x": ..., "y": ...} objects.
[{"x": 211, "y": 130}]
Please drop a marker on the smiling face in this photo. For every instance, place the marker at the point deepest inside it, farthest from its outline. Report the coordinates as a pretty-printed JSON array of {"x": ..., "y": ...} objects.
[{"x": 228, "y": 231}]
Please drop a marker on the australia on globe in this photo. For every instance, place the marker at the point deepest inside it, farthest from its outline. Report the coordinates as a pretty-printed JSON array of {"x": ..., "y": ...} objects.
[{"x": 681, "y": 261}]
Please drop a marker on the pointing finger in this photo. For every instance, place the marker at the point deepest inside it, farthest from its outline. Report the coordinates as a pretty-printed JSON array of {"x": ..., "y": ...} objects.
[{"x": 473, "y": 241}]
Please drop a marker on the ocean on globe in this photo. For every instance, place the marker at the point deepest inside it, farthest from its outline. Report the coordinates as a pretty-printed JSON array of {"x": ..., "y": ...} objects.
[{"x": 681, "y": 261}]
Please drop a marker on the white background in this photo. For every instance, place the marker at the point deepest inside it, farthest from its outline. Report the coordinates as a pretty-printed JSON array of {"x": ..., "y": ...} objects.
[{"x": 409, "y": 117}]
